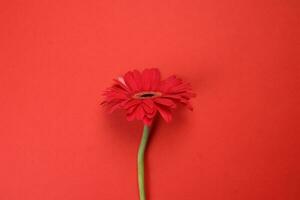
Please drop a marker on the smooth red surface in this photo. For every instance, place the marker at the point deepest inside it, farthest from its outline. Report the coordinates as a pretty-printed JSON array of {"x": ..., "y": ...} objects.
[{"x": 240, "y": 143}]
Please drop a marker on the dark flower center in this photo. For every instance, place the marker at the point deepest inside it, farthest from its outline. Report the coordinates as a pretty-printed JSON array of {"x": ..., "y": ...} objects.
[{"x": 146, "y": 95}]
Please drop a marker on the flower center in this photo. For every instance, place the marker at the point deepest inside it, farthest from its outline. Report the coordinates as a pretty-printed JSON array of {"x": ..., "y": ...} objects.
[{"x": 146, "y": 95}]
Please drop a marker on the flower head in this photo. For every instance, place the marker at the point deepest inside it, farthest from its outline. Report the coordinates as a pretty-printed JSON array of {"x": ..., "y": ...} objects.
[{"x": 143, "y": 94}]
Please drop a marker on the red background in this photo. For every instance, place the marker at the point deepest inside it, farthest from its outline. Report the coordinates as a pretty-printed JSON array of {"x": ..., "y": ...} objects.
[{"x": 240, "y": 143}]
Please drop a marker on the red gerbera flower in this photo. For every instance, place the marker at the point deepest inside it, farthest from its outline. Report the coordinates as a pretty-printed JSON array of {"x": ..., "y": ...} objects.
[{"x": 144, "y": 94}]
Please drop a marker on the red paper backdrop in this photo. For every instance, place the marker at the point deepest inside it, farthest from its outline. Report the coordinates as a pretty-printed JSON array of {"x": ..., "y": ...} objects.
[{"x": 240, "y": 143}]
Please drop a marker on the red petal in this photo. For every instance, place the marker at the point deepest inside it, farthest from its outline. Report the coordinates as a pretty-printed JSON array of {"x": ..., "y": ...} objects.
[
  {"x": 138, "y": 79},
  {"x": 132, "y": 113},
  {"x": 165, "y": 102},
  {"x": 151, "y": 79},
  {"x": 130, "y": 81},
  {"x": 149, "y": 103},
  {"x": 131, "y": 102},
  {"x": 121, "y": 85},
  {"x": 170, "y": 82},
  {"x": 114, "y": 107},
  {"x": 165, "y": 113},
  {"x": 189, "y": 106},
  {"x": 140, "y": 113},
  {"x": 148, "y": 121},
  {"x": 147, "y": 109},
  {"x": 145, "y": 80},
  {"x": 131, "y": 109}
]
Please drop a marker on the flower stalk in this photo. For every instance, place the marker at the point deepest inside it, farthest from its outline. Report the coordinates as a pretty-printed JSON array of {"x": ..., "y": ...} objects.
[{"x": 140, "y": 162}]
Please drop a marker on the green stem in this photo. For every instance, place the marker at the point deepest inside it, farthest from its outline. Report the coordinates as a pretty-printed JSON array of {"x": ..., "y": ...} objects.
[{"x": 141, "y": 154}]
